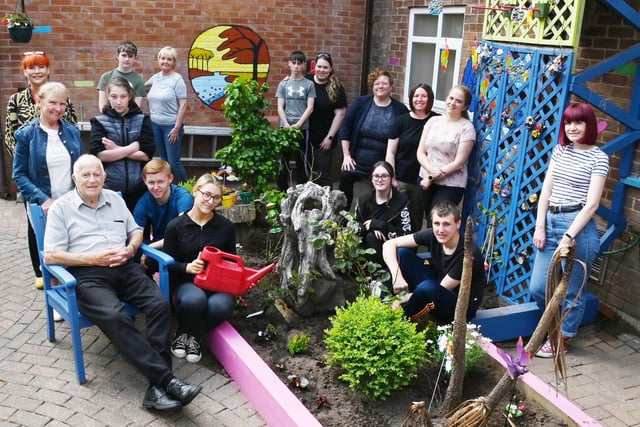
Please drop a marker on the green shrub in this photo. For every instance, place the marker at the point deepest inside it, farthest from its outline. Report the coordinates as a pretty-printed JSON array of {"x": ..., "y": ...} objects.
[
  {"x": 377, "y": 347},
  {"x": 298, "y": 344}
]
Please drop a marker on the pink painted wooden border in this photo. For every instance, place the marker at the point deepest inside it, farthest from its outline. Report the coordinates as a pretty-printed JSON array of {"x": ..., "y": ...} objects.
[
  {"x": 255, "y": 379},
  {"x": 546, "y": 394}
]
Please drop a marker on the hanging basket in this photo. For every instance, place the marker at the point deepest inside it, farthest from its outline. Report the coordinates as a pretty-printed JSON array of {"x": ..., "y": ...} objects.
[{"x": 21, "y": 34}]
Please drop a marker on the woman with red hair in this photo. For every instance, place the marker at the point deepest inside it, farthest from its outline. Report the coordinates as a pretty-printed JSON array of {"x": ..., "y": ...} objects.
[
  {"x": 21, "y": 109},
  {"x": 22, "y": 104},
  {"x": 570, "y": 195}
]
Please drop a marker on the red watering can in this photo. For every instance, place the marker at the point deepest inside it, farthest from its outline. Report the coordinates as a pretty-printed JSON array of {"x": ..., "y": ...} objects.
[{"x": 226, "y": 272}]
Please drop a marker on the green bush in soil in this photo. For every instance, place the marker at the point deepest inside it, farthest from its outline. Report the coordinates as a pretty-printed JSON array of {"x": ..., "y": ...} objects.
[
  {"x": 298, "y": 344},
  {"x": 377, "y": 348},
  {"x": 256, "y": 148}
]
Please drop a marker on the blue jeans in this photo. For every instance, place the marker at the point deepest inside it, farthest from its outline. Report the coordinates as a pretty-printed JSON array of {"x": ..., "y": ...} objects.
[
  {"x": 587, "y": 248},
  {"x": 170, "y": 152},
  {"x": 198, "y": 311},
  {"x": 425, "y": 285}
]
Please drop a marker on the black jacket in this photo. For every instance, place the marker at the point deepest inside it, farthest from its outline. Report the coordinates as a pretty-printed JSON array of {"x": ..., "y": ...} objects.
[
  {"x": 124, "y": 175},
  {"x": 392, "y": 219}
]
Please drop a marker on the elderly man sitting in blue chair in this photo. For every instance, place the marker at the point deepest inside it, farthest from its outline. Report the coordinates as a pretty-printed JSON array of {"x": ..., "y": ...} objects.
[{"x": 92, "y": 233}]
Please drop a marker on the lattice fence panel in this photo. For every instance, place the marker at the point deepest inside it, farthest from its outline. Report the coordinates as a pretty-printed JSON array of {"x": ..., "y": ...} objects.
[
  {"x": 521, "y": 98},
  {"x": 544, "y": 22}
]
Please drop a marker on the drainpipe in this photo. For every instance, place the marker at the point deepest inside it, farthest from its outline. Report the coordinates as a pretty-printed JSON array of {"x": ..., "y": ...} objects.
[
  {"x": 366, "y": 61},
  {"x": 4, "y": 190}
]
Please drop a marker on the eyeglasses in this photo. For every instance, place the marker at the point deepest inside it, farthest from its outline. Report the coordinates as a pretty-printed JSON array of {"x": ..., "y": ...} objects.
[
  {"x": 35, "y": 52},
  {"x": 381, "y": 177},
  {"x": 208, "y": 196},
  {"x": 324, "y": 54}
]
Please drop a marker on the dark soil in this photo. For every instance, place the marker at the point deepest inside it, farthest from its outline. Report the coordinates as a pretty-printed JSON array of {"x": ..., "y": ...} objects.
[{"x": 332, "y": 402}]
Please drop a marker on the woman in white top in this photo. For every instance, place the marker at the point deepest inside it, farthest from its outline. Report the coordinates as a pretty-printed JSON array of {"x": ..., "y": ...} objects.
[
  {"x": 45, "y": 151},
  {"x": 570, "y": 195},
  {"x": 444, "y": 150},
  {"x": 167, "y": 97}
]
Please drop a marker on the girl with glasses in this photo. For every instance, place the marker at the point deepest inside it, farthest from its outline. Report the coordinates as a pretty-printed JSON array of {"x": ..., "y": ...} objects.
[
  {"x": 197, "y": 310},
  {"x": 383, "y": 214}
]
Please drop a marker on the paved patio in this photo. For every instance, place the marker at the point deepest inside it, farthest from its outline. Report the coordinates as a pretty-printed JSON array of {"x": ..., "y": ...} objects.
[{"x": 38, "y": 384}]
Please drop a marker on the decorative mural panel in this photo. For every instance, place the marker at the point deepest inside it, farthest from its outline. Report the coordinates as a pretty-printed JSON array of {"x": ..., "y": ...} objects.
[
  {"x": 221, "y": 54},
  {"x": 521, "y": 95},
  {"x": 544, "y": 22}
]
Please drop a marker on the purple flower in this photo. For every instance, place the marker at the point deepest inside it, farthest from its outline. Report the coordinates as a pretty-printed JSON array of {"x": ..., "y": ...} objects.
[{"x": 517, "y": 366}]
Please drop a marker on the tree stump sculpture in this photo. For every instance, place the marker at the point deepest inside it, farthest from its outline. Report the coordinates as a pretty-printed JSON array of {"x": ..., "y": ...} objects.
[{"x": 301, "y": 266}]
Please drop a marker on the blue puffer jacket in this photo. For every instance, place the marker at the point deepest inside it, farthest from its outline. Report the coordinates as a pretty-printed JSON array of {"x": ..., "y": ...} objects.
[
  {"x": 30, "y": 171},
  {"x": 124, "y": 175}
]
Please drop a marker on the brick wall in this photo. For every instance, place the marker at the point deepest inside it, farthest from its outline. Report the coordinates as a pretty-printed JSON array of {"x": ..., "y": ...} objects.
[
  {"x": 85, "y": 33},
  {"x": 390, "y": 30},
  {"x": 605, "y": 34}
]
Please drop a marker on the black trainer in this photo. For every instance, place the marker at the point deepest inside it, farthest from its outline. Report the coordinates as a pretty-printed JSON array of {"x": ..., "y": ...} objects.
[
  {"x": 179, "y": 346},
  {"x": 193, "y": 350}
]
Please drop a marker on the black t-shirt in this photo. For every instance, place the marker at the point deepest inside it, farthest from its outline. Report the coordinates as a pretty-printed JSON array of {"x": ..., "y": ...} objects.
[
  {"x": 323, "y": 112},
  {"x": 451, "y": 265},
  {"x": 408, "y": 131}
]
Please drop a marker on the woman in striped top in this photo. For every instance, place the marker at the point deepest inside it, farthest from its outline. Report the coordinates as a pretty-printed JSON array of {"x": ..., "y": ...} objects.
[{"x": 569, "y": 198}]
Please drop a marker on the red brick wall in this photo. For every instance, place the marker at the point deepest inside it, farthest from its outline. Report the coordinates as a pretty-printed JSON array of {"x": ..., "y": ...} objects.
[
  {"x": 85, "y": 33},
  {"x": 605, "y": 34}
]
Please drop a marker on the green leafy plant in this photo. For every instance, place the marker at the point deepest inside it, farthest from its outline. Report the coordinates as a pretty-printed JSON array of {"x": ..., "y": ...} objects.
[
  {"x": 256, "y": 147},
  {"x": 377, "y": 347},
  {"x": 298, "y": 344},
  {"x": 188, "y": 184},
  {"x": 351, "y": 257},
  {"x": 17, "y": 19}
]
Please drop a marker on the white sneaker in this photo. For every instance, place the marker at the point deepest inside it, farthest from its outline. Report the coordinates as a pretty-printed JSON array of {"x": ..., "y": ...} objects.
[{"x": 57, "y": 317}]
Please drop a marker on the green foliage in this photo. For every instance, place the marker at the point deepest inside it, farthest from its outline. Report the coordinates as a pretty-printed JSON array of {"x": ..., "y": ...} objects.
[
  {"x": 351, "y": 257},
  {"x": 298, "y": 344},
  {"x": 272, "y": 200},
  {"x": 377, "y": 347},
  {"x": 188, "y": 184},
  {"x": 256, "y": 147}
]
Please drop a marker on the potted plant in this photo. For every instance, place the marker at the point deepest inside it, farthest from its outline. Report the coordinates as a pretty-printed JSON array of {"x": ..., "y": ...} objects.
[
  {"x": 20, "y": 26},
  {"x": 228, "y": 196},
  {"x": 245, "y": 193}
]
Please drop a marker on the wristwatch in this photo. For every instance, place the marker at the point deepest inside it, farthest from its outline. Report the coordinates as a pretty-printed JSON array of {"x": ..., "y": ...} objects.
[{"x": 330, "y": 138}]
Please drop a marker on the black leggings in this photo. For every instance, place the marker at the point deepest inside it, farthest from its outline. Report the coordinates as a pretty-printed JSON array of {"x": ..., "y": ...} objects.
[
  {"x": 33, "y": 247},
  {"x": 437, "y": 193}
]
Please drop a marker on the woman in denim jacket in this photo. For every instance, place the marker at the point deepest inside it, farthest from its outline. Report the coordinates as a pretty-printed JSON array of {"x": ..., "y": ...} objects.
[{"x": 46, "y": 149}]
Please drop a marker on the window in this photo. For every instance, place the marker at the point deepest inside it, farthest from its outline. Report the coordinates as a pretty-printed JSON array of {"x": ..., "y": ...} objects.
[{"x": 429, "y": 36}]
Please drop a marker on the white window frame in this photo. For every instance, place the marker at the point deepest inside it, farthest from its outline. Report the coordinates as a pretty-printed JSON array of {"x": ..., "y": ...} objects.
[{"x": 440, "y": 43}]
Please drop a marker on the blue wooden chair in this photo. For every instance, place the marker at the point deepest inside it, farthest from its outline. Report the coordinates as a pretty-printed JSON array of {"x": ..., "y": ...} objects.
[{"x": 62, "y": 297}]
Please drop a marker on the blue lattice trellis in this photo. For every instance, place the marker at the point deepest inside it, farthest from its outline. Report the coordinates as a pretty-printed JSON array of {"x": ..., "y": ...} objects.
[{"x": 522, "y": 93}]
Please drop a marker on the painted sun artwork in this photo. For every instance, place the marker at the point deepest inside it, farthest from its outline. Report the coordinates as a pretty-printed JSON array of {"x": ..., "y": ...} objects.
[{"x": 221, "y": 54}]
